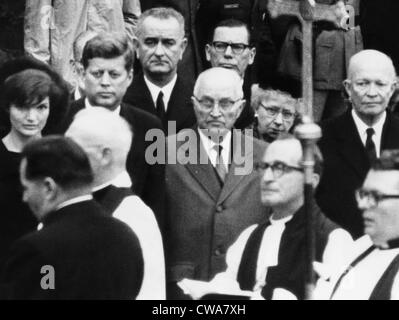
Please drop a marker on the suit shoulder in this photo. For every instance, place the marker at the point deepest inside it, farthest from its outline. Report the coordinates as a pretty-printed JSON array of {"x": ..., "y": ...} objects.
[{"x": 140, "y": 117}]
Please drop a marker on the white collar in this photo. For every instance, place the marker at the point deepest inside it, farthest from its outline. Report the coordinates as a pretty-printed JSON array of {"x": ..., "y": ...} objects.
[
  {"x": 280, "y": 221},
  {"x": 166, "y": 90},
  {"x": 69, "y": 202},
  {"x": 122, "y": 180},
  {"x": 362, "y": 127},
  {"x": 88, "y": 105},
  {"x": 209, "y": 143}
]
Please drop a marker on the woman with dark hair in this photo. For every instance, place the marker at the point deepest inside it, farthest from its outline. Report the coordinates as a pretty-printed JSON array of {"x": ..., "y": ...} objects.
[{"x": 33, "y": 103}]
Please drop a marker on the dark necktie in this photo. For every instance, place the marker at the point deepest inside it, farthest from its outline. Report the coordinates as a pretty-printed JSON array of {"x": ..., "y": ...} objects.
[
  {"x": 370, "y": 146},
  {"x": 161, "y": 108},
  {"x": 220, "y": 168}
]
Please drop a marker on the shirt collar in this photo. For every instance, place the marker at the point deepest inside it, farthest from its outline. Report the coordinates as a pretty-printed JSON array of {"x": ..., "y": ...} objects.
[
  {"x": 209, "y": 143},
  {"x": 166, "y": 90},
  {"x": 122, "y": 180},
  {"x": 69, "y": 202},
  {"x": 88, "y": 105},
  {"x": 362, "y": 127}
]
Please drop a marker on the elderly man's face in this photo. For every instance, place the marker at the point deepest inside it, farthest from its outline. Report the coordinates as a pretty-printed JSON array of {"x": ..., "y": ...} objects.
[
  {"x": 228, "y": 58},
  {"x": 283, "y": 186},
  {"x": 275, "y": 116},
  {"x": 370, "y": 88},
  {"x": 381, "y": 217},
  {"x": 161, "y": 45},
  {"x": 217, "y": 106}
]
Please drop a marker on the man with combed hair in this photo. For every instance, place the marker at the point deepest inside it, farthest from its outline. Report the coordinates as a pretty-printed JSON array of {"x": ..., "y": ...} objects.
[
  {"x": 108, "y": 71},
  {"x": 159, "y": 89},
  {"x": 212, "y": 190},
  {"x": 80, "y": 252},
  {"x": 352, "y": 141},
  {"x": 230, "y": 47},
  {"x": 106, "y": 138},
  {"x": 373, "y": 273}
]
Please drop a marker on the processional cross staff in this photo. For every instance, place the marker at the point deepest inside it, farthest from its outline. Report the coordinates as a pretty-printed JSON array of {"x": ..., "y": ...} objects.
[{"x": 307, "y": 11}]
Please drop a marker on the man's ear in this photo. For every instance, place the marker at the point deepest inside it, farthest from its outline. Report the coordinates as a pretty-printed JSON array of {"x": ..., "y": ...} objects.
[
  {"x": 50, "y": 188},
  {"x": 208, "y": 52},
  {"x": 315, "y": 180},
  {"x": 347, "y": 86},
  {"x": 183, "y": 47},
  {"x": 106, "y": 157},
  {"x": 252, "y": 54},
  {"x": 240, "y": 108},
  {"x": 136, "y": 45}
]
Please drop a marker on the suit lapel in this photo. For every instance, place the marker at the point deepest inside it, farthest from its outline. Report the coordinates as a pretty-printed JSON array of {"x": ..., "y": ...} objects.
[
  {"x": 202, "y": 170},
  {"x": 142, "y": 95},
  {"x": 178, "y": 103},
  {"x": 350, "y": 145}
]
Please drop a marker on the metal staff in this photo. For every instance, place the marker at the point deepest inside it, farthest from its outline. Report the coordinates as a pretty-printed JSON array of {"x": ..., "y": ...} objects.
[{"x": 307, "y": 11}]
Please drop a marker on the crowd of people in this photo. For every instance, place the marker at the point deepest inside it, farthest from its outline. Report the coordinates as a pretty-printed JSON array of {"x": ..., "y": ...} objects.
[{"x": 147, "y": 143}]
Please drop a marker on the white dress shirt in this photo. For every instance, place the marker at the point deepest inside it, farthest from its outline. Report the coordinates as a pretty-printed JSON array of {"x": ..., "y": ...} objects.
[
  {"x": 212, "y": 153},
  {"x": 166, "y": 90},
  {"x": 140, "y": 218},
  {"x": 362, "y": 127}
]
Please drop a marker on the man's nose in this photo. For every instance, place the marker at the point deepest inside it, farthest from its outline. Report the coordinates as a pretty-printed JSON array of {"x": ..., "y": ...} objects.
[
  {"x": 278, "y": 119},
  {"x": 228, "y": 52},
  {"x": 267, "y": 175},
  {"x": 372, "y": 90},
  {"x": 215, "y": 112},
  {"x": 159, "y": 49},
  {"x": 105, "y": 79}
]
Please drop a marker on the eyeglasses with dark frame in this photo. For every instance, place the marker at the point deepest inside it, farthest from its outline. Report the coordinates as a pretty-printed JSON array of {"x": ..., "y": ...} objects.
[
  {"x": 278, "y": 168},
  {"x": 273, "y": 112},
  {"x": 224, "y": 104},
  {"x": 237, "y": 48},
  {"x": 373, "y": 197}
]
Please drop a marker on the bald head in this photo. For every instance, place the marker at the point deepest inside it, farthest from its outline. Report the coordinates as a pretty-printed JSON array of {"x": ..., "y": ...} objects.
[
  {"x": 106, "y": 138},
  {"x": 373, "y": 59},
  {"x": 370, "y": 84},
  {"x": 219, "y": 78}
]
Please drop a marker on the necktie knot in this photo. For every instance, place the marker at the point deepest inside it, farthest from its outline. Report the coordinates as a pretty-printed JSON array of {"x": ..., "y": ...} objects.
[{"x": 370, "y": 132}]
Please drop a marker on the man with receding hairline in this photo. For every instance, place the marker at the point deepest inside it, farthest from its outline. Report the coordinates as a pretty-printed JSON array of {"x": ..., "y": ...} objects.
[
  {"x": 354, "y": 140},
  {"x": 106, "y": 139},
  {"x": 212, "y": 190}
]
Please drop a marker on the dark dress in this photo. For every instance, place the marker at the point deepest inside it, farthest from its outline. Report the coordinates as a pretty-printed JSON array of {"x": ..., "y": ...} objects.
[{"x": 16, "y": 218}]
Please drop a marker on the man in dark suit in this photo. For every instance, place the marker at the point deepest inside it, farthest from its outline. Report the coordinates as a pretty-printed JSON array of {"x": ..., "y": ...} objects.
[
  {"x": 190, "y": 65},
  {"x": 352, "y": 141},
  {"x": 80, "y": 252},
  {"x": 212, "y": 189},
  {"x": 159, "y": 89},
  {"x": 108, "y": 62},
  {"x": 230, "y": 47}
]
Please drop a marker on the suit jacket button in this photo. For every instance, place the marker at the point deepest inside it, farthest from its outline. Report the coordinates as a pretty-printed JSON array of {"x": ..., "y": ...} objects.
[
  {"x": 219, "y": 208},
  {"x": 218, "y": 252}
]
